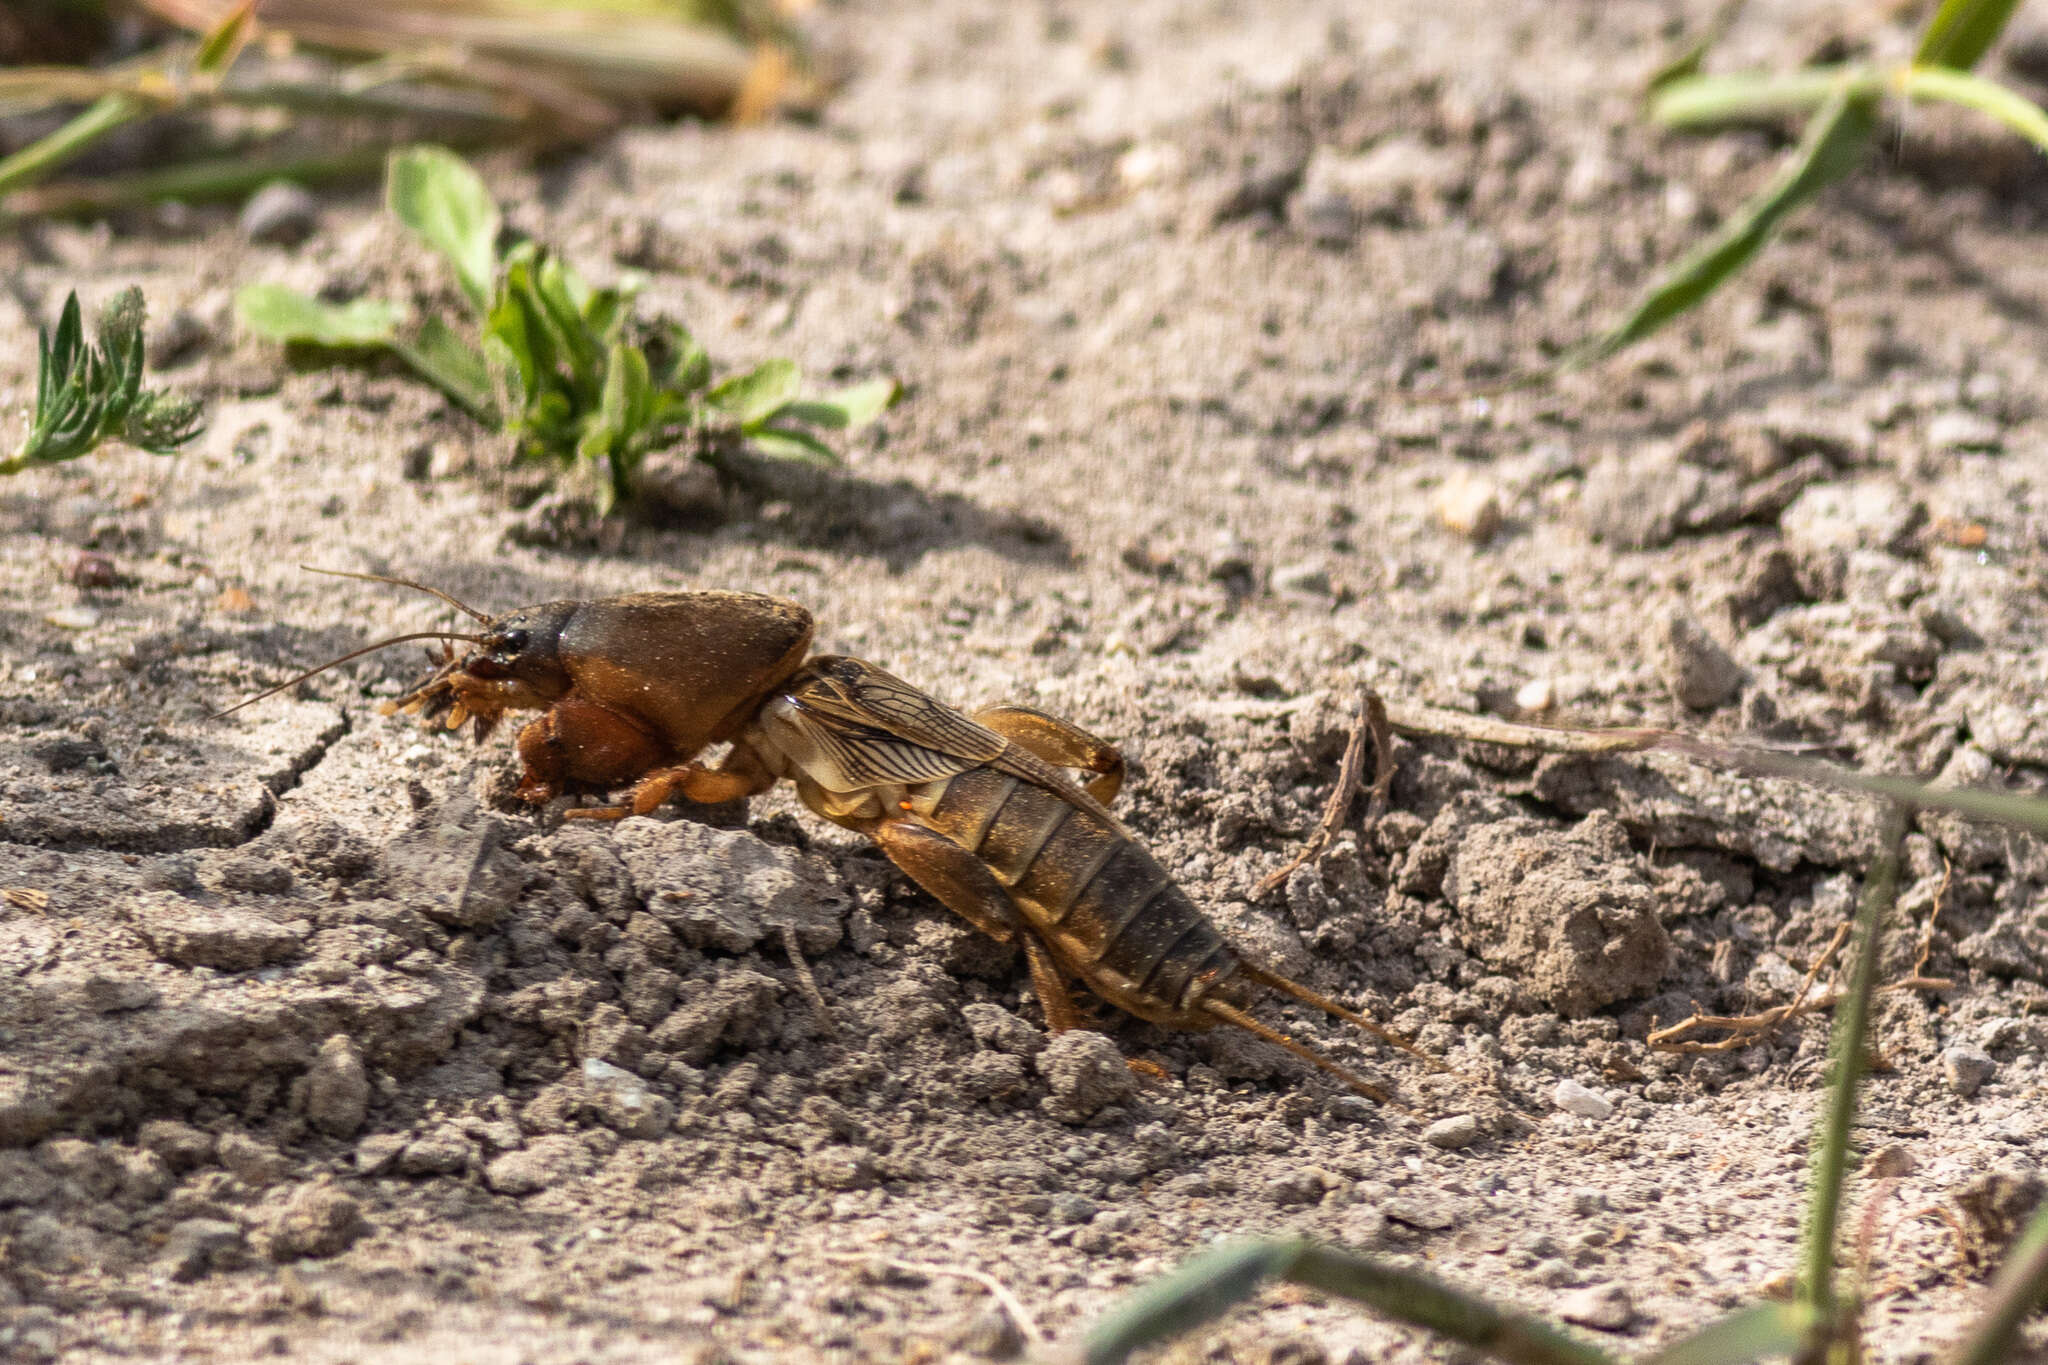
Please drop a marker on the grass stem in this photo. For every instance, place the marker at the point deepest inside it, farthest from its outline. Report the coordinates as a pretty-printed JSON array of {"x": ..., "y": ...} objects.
[
  {"x": 1852, "y": 1026},
  {"x": 44, "y": 155}
]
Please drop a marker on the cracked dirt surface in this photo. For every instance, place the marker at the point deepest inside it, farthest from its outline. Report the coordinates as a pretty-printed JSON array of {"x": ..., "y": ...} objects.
[{"x": 311, "y": 1047}]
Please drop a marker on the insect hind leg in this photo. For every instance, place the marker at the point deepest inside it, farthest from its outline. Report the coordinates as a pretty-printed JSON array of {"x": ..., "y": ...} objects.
[
  {"x": 959, "y": 881},
  {"x": 1288, "y": 986},
  {"x": 1230, "y": 1014},
  {"x": 1059, "y": 743}
]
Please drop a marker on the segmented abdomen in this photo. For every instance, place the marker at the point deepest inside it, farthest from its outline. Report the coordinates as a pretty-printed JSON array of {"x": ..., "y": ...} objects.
[{"x": 1098, "y": 899}]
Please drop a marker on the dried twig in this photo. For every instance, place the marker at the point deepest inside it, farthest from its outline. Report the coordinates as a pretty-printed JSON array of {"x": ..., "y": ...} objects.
[
  {"x": 1744, "y": 1029},
  {"x": 1371, "y": 720},
  {"x": 1440, "y": 724},
  {"x": 1948, "y": 872},
  {"x": 808, "y": 982},
  {"x": 1019, "y": 1314}
]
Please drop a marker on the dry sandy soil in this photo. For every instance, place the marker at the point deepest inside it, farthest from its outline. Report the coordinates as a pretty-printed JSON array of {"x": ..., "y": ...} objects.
[{"x": 295, "y": 1059}]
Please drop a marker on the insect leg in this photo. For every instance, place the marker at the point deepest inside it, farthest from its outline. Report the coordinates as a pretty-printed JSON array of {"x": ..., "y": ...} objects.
[
  {"x": 581, "y": 741},
  {"x": 960, "y": 881},
  {"x": 1061, "y": 1013},
  {"x": 1275, "y": 981},
  {"x": 1060, "y": 744},
  {"x": 1230, "y": 1014},
  {"x": 738, "y": 776}
]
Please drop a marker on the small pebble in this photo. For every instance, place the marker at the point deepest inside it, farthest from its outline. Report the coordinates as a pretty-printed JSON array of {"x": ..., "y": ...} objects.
[
  {"x": 1150, "y": 163},
  {"x": 281, "y": 213},
  {"x": 1268, "y": 183},
  {"x": 1959, "y": 430},
  {"x": 1073, "y": 1208},
  {"x": 991, "y": 1335},
  {"x": 1966, "y": 1068},
  {"x": 1330, "y": 220},
  {"x": 316, "y": 1222},
  {"x": 1539, "y": 694},
  {"x": 1309, "y": 578},
  {"x": 1084, "y": 1071},
  {"x": 1470, "y": 506},
  {"x": 1604, "y": 1306},
  {"x": 194, "y": 1244},
  {"x": 624, "y": 1103},
  {"x": 1574, "y": 1098},
  {"x": 1459, "y": 1130},
  {"x": 73, "y": 618},
  {"x": 1700, "y": 673},
  {"x": 1430, "y": 1215},
  {"x": 93, "y": 570}
]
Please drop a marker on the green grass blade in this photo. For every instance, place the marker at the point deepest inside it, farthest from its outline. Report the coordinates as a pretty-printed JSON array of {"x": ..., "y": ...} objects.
[
  {"x": 1962, "y": 31},
  {"x": 1686, "y": 61},
  {"x": 46, "y": 154},
  {"x": 447, "y": 205},
  {"x": 2021, "y": 1287},
  {"x": 1852, "y": 1026},
  {"x": 1693, "y": 103},
  {"x": 224, "y": 41},
  {"x": 281, "y": 314},
  {"x": 2005, "y": 808},
  {"x": 1423, "y": 1301},
  {"x": 209, "y": 178},
  {"x": 30, "y": 89},
  {"x": 1202, "y": 1289},
  {"x": 1762, "y": 1329},
  {"x": 1988, "y": 97},
  {"x": 1834, "y": 144}
]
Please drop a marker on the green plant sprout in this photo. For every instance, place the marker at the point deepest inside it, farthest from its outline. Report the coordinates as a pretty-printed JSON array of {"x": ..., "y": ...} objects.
[
  {"x": 88, "y": 394},
  {"x": 566, "y": 370},
  {"x": 1818, "y": 1326},
  {"x": 1845, "y": 104}
]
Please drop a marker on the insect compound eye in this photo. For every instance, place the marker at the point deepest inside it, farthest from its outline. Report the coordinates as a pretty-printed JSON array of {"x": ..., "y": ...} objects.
[{"x": 512, "y": 642}]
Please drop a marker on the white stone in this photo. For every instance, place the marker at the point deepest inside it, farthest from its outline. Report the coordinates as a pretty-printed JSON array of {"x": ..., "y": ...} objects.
[
  {"x": 1469, "y": 505},
  {"x": 1459, "y": 1130},
  {"x": 1574, "y": 1098},
  {"x": 1538, "y": 694},
  {"x": 1966, "y": 1068}
]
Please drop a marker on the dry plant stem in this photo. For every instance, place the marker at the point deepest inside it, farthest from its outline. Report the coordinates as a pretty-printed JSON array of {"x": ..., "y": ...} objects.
[
  {"x": 2005, "y": 808},
  {"x": 1019, "y": 1314},
  {"x": 1746, "y": 1028},
  {"x": 1433, "y": 722},
  {"x": 806, "y": 980},
  {"x": 1948, "y": 871},
  {"x": 1751, "y": 1028},
  {"x": 1371, "y": 720}
]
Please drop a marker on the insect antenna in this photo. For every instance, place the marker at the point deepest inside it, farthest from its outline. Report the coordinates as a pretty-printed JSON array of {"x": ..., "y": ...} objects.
[
  {"x": 352, "y": 654},
  {"x": 452, "y": 601},
  {"x": 1230, "y": 1014},
  {"x": 1275, "y": 981}
]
